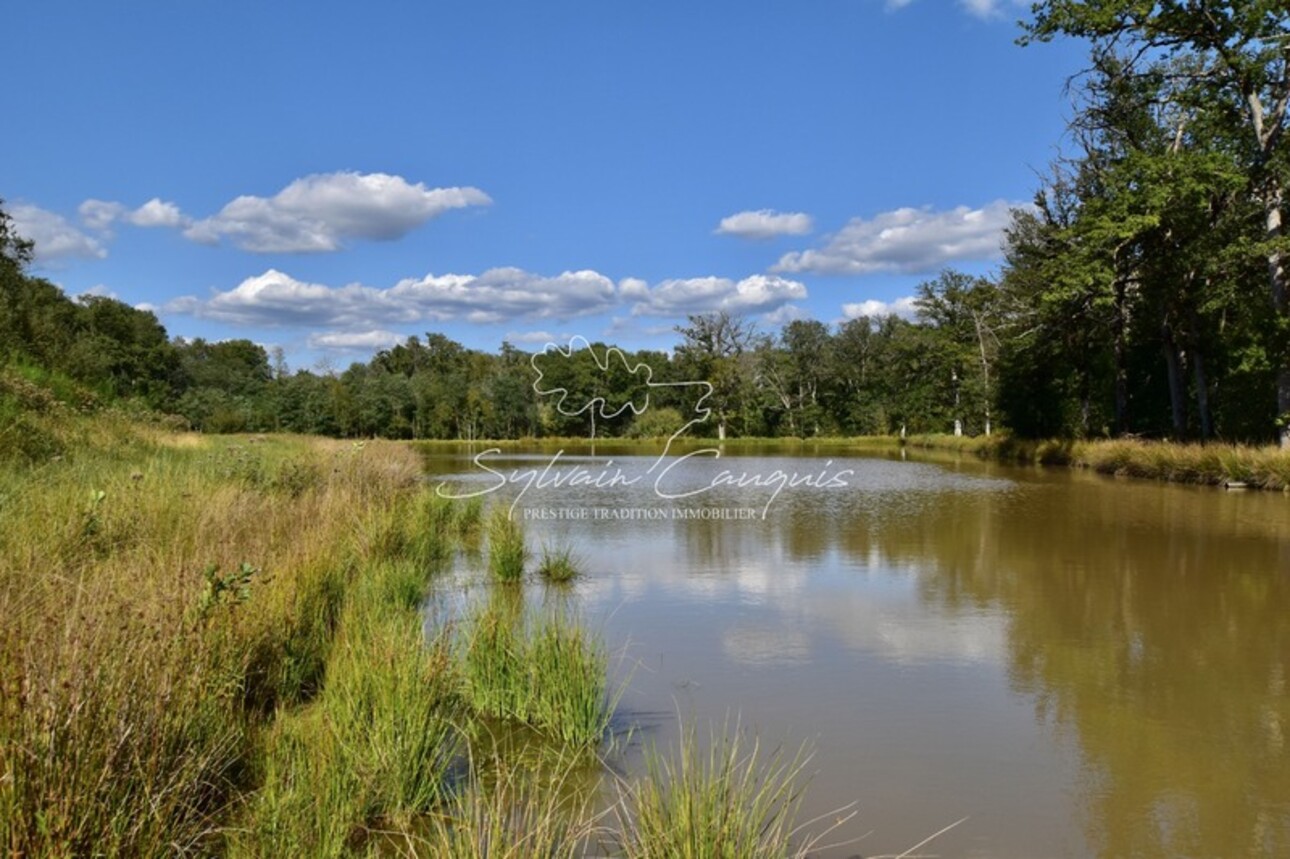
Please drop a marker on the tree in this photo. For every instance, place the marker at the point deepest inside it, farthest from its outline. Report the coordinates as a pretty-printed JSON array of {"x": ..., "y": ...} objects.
[
  {"x": 718, "y": 349},
  {"x": 1233, "y": 63},
  {"x": 964, "y": 310}
]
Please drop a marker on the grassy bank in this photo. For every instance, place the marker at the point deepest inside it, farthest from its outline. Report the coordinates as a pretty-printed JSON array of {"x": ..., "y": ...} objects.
[
  {"x": 1212, "y": 464},
  {"x": 216, "y": 646}
]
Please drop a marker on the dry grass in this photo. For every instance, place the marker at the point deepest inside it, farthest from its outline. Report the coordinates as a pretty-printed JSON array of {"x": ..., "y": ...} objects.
[
  {"x": 163, "y": 599},
  {"x": 1213, "y": 464}
]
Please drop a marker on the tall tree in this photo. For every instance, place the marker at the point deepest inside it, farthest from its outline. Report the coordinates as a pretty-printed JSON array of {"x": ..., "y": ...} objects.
[
  {"x": 1235, "y": 65},
  {"x": 718, "y": 349}
]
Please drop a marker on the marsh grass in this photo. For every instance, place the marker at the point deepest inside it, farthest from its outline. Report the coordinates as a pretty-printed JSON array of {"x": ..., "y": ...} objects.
[
  {"x": 546, "y": 672},
  {"x": 505, "y": 813},
  {"x": 1213, "y": 464},
  {"x": 508, "y": 552},
  {"x": 559, "y": 564},
  {"x": 730, "y": 800},
  {"x": 162, "y": 607}
]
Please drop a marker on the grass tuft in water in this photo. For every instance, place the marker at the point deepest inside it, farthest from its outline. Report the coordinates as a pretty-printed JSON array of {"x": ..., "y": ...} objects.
[
  {"x": 733, "y": 800},
  {"x": 507, "y": 552},
  {"x": 549, "y": 674},
  {"x": 559, "y": 564}
]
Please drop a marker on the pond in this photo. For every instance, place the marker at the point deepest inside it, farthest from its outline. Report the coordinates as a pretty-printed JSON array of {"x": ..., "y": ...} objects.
[{"x": 1078, "y": 665}]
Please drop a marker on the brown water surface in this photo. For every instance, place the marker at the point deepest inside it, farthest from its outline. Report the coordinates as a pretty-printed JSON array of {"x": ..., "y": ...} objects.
[{"x": 1081, "y": 666}]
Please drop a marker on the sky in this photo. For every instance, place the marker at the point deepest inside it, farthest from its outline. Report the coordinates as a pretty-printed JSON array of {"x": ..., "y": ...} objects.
[{"x": 334, "y": 177}]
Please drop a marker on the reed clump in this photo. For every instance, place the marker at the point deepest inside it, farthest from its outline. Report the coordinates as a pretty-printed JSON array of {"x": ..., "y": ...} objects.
[
  {"x": 547, "y": 672},
  {"x": 730, "y": 799},
  {"x": 559, "y": 564},
  {"x": 508, "y": 552}
]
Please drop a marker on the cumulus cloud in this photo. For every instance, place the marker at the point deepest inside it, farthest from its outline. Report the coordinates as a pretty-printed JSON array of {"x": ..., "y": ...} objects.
[
  {"x": 102, "y": 214},
  {"x": 786, "y": 314},
  {"x": 53, "y": 235},
  {"x": 322, "y": 211},
  {"x": 759, "y": 293},
  {"x": 765, "y": 224},
  {"x": 903, "y": 307},
  {"x": 536, "y": 337},
  {"x": 276, "y": 298},
  {"x": 908, "y": 240},
  {"x": 355, "y": 340}
]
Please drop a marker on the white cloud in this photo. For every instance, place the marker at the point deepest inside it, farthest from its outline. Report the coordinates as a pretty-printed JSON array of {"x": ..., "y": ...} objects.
[
  {"x": 536, "y": 337},
  {"x": 276, "y": 298},
  {"x": 55, "y": 238},
  {"x": 765, "y": 224},
  {"x": 102, "y": 214},
  {"x": 902, "y": 307},
  {"x": 320, "y": 212},
  {"x": 977, "y": 8},
  {"x": 355, "y": 340},
  {"x": 98, "y": 290},
  {"x": 786, "y": 314},
  {"x": 158, "y": 213},
  {"x": 759, "y": 293},
  {"x": 907, "y": 240},
  {"x": 990, "y": 8},
  {"x": 507, "y": 293}
]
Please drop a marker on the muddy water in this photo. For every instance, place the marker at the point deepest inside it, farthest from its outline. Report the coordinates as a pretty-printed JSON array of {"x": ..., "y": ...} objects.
[{"x": 1080, "y": 666}]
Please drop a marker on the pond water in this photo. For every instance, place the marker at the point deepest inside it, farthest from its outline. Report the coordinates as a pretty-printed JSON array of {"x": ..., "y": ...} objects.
[{"x": 1080, "y": 666}]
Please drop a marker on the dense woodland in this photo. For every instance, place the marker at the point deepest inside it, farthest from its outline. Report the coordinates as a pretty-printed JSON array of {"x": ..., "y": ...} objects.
[{"x": 1144, "y": 293}]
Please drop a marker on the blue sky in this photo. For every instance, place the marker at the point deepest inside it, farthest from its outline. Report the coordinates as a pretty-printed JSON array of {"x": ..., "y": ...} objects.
[{"x": 329, "y": 177}]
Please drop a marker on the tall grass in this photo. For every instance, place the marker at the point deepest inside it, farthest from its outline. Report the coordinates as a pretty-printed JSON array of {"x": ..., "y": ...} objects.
[
  {"x": 505, "y": 814},
  {"x": 508, "y": 552},
  {"x": 733, "y": 800},
  {"x": 558, "y": 564},
  {"x": 140, "y": 660},
  {"x": 546, "y": 672},
  {"x": 1213, "y": 464}
]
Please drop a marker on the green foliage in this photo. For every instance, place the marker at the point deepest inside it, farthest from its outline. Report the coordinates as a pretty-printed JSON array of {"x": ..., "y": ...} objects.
[{"x": 223, "y": 589}]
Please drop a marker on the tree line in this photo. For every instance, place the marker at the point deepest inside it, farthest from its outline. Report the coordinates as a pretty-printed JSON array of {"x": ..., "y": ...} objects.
[{"x": 978, "y": 354}]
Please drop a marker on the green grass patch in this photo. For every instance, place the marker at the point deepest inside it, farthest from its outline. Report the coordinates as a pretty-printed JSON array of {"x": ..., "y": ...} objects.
[
  {"x": 559, "y": 564},
  {"x": 547, "y": 672},
  {"x": 729, "y": 800},
  {"x": 508, "y": 552}
]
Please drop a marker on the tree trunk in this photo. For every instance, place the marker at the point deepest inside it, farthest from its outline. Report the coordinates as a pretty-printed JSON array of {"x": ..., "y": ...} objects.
[
  {"x": 1280, "y": 301},
  {"x": 1121, "y": 361},
  {"x": 958, "y": 421},
  {"x": 985, "y": 370},
  {"x": 1202, "y": 395},
  {"x": 1176, "y": 402}
]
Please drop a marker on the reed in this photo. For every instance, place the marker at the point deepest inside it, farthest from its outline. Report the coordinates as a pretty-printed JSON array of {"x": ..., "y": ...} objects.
[
  {"x": 559, "y": 564},
  {"x": 1213, "y": 464},
  {"x": 508, "y": 552},
  {"x": 548, "y": 673},
  {"x": 730, "y": 800}
]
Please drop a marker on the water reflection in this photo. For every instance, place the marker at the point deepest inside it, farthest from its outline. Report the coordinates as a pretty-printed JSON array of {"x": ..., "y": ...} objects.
[{"x": 1088, "y": 667}]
